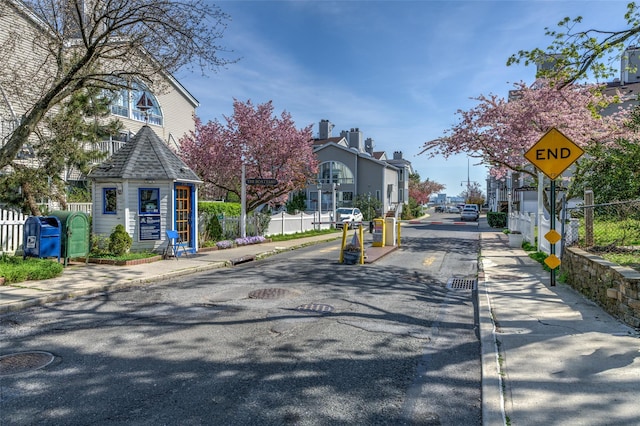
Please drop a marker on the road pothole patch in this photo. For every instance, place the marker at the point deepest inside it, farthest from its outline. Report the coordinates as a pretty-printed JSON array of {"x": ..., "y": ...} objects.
[
  {"x": 23, "y": 362},
  {"x": 272, "y": 293},
  {"x": 319, "y": 308}
]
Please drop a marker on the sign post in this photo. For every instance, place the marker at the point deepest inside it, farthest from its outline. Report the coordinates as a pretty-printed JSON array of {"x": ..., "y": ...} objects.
[{"x": 552, "y": 155}]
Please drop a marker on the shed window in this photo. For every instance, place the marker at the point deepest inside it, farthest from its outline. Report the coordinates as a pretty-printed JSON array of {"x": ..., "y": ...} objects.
[
  {"x": 149, "y": 200},
  {"x": 109, "y": 201}
]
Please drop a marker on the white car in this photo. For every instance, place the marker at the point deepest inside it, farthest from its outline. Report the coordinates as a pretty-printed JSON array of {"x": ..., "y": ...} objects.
[
  {"x": 469, "y": 213},
  {"x": 349, "y": 216},
  {"x": 452, "y": 209}
]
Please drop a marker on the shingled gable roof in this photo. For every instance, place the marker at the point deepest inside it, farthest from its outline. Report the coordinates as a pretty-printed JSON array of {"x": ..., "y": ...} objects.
[{"x": 145, "y": 156}]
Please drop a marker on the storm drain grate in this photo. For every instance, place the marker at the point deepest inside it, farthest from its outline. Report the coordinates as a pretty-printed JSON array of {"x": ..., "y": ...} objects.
[
  {"x": 268, "y": 293},
  {"x": 24, "y": 361},
  {"x": 315, "y": 307},
  {"x": 461, "y": 284}
]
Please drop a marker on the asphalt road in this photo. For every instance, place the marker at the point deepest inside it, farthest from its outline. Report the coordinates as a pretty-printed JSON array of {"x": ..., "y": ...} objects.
[{"x": 294, "y": 339}]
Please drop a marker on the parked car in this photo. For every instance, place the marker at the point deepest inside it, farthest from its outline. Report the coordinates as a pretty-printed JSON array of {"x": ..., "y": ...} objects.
[
  {"x": 469, "y": 213},
  {"x": 349, "y": 216},
  {"x": 474, "y": 207},
  {"x": 439, "y": 209},
  {"x": 453, "y": 209}
]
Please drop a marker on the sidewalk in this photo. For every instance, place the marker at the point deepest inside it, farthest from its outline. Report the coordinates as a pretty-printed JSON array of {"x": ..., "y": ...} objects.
[
  {"x": 562, "y": 359},
  {"x": 79, "y": 279}
]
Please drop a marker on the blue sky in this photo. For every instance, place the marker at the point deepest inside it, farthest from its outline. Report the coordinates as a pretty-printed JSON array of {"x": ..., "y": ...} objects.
[{"x": 398, "y": 70}]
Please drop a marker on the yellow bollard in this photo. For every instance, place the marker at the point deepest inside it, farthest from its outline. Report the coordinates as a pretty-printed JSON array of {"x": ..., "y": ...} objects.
[
  {"x": 344, "y": 243},
  {"x": 398, "y": 233}
]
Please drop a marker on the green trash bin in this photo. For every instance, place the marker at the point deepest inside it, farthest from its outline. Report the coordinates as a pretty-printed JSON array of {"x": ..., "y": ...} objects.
[{"x": 75, "y": 234}]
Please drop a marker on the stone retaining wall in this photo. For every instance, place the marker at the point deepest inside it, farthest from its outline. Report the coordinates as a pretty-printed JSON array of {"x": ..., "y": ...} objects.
[{"x": 615, "y": 288}]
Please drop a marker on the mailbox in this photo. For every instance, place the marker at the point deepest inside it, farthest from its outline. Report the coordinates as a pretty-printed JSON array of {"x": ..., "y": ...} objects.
[
  {"x": 75, "y": 234},
  {"x": 378, "y": 232},
  {"x": 41, "y": 237}
]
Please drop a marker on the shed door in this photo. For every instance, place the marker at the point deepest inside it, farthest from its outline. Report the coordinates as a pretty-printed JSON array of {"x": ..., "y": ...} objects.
[{"x": 183, "y": 213}]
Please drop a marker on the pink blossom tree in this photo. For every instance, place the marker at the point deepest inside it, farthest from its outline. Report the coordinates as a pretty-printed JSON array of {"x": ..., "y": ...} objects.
[
  {"x": 499, "y": 131},
  {"x": 270, "y": 148},
  {"x": 421, "y": 191}
]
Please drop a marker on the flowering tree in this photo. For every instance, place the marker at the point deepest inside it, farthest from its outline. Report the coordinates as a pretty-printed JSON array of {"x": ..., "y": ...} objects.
[
  {"x": 268, "y": 146},
  {"x": 499, "y": 131},
  {"x": 421, "y": 191}
]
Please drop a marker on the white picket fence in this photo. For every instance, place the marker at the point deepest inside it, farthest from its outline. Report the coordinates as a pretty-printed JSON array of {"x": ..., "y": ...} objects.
[
  {"x": 284, "y": 223},
  {"x": 11, "y": 227},
  {"x": 526, "y": 224}
]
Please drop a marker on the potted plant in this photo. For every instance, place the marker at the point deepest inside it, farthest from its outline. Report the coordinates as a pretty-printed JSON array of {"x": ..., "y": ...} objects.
[
  {"x": 351, "y": 254},
  {"x": 515, "y": 238}
]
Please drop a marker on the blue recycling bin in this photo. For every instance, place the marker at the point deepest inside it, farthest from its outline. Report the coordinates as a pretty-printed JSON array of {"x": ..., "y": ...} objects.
[{"x": 42, "y": 237}]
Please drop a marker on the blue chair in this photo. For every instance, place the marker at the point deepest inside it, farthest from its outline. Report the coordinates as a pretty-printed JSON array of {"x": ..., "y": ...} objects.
[{"x": 175, "y": 245}]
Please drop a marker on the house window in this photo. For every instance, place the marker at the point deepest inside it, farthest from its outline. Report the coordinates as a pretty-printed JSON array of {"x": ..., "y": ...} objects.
[
  {"x": 334, "y": 172},
  {"x": 124, "y": 102},
  {"x": 149, "y": 199},
  {"x": 109, "y": 201}
]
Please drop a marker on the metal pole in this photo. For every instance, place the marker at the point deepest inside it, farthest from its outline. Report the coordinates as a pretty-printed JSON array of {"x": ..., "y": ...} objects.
[
  {"x": 243, "y": 203},
  {"x": 319, "y": 207},
  {"x": 553, "y": 226},
  {"x": 333, "y": 203}
]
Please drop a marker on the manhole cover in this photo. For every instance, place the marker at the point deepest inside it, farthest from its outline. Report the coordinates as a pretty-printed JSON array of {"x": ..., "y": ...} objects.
[
  {"x": 24, "y": 361},
  {"x": 315, "y": 307},
  {"x": 461, "y": 284},
  {"x": 268, "y": 293}
]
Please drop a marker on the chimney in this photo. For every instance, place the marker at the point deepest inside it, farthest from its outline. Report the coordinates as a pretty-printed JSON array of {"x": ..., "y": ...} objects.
[
  {"x": 368, "y": 146},
  {"x": 630, "y": 65},
  {"x": 324, "y": 129},
  {"x": 355, "y": 139},
  {"x": 397, "y": 155}
]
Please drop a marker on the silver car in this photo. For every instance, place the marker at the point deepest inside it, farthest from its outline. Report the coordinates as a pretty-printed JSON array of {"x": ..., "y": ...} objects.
[{"x": 469, "y": 213}]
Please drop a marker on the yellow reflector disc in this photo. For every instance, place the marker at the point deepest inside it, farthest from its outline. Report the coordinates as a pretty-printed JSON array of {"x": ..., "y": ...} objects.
[
  {"x": 552, "y": 261},
  {"x": 553, "y": 236}
]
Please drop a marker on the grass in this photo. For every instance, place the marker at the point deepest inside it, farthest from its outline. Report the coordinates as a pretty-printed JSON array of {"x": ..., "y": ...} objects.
[
  {"x": 14, "y": 269},
  {"x": 312, "y": 233},
  {"x": 124, "y": 257},
  {"x": 630, "y": 260}
]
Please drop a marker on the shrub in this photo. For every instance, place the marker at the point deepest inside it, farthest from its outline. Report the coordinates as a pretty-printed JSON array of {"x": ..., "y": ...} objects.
[
  {"x": 214, "y": 229},
  {"x": 216, "y": 208},
  {"x": 99, "y": 245},
  {"x": 497, "y": 219},
  {"x": 119, "y": 241}
]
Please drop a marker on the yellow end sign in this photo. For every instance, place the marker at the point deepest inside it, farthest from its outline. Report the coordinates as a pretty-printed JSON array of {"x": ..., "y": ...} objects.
[{"x": 553, "y": 153}]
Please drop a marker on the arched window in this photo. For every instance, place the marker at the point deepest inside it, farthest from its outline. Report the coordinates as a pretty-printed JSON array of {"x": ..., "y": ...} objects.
[
  {"x": 335, "y": 172},
  {"x": 124, "y": 103}
]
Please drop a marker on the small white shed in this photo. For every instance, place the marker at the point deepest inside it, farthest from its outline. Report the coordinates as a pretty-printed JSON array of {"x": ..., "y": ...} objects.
[{"x": 148, "y": 189}]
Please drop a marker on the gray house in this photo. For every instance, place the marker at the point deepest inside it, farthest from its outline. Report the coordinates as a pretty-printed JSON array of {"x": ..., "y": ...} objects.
[
  {"x": 148, "y": 189},
  {"x": 348, "y": 167}
]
